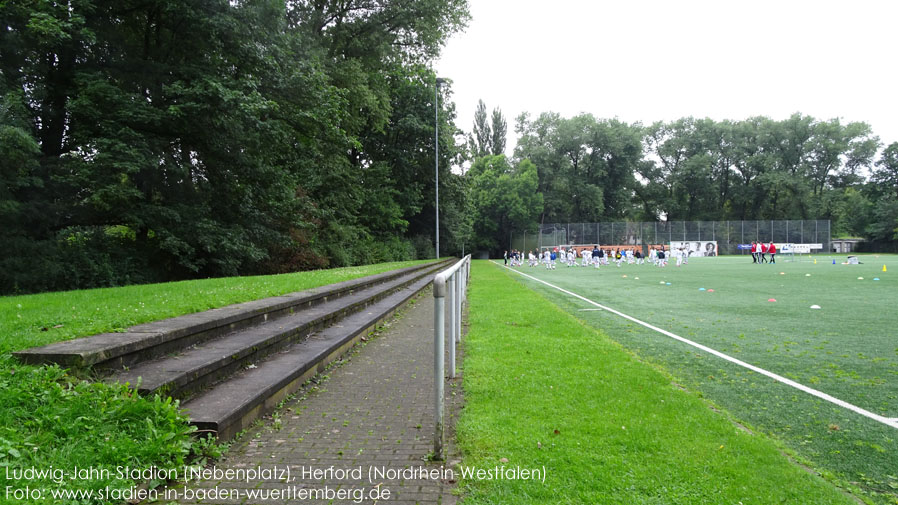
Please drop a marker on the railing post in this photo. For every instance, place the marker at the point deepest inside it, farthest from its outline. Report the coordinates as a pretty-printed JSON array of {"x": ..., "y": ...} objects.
[
  {"x": 456, "y": 278},
  {"x": 453, "y": 296},
  {"x": 458, "y": 296},
  {"x": 439, "y": 321}
]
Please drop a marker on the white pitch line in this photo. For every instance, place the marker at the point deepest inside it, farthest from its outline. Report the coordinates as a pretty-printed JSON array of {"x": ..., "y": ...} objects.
[{"x": 892, "y": 422}]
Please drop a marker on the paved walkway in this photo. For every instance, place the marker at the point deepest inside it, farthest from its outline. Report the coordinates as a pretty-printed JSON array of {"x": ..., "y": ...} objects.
[{"x": 373, "y": 413}]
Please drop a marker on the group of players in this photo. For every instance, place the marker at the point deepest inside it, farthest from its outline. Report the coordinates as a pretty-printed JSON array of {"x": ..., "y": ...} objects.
[
  {"x": 596, "y": 257},
  {"x": 759, "y": 251}
]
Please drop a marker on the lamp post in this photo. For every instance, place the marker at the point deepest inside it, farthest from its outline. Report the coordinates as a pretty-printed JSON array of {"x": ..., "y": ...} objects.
[{"x": 436, "y": 106}]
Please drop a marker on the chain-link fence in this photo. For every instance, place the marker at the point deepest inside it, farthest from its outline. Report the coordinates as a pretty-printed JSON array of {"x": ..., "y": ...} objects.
[{"x": 727, "y": 234}]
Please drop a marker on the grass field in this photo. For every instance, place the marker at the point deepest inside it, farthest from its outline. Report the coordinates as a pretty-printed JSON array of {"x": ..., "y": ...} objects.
[
  {"x": 544, "y": 390},
  {"x": 847, "y": 349}
]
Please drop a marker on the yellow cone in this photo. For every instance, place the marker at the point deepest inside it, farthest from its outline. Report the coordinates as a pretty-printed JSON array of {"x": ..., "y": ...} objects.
[
  {"x": 815, "y": 261},
  {"x": 883, "y": 268}
]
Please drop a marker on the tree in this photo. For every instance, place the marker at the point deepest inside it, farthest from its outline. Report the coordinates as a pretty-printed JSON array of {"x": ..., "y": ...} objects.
[
  {"x": 371, "y": 50},
  {"x": 884, "y": 226},
  {"x": 504, "y": 199},
  {"x": 458, "y": 215},
  {"x": 150, "y": 141},
  {"x": 885, "y": 175},
  {"x": 884, "y": 222},
  {"x": 850, "y": 210},
  {"x": 480, "y": 141},
  {"x": 837, "y": 148},
  {"x": 499, "y": 130},
  {"x": 585, "y": 166}
]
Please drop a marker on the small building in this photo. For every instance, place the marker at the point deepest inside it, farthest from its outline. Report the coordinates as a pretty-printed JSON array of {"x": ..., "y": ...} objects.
[{"x": 845, "y": 245}]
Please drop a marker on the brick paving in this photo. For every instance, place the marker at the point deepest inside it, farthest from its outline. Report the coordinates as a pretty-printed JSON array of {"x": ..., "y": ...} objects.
[{"x": 373, "y": 412}]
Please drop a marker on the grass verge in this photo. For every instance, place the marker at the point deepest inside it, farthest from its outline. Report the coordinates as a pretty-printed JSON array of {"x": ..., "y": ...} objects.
[
  {"x": 53, "y": 423},
  {"x": 544, "y": 390}
]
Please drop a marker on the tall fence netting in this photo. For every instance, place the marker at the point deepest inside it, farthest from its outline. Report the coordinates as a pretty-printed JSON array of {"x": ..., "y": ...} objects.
[{"x": 727, "y": 234}]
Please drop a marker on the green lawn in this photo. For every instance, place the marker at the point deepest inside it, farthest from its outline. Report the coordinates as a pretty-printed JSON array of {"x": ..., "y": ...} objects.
[
  {"x": 49, "y": 419},
  {"x": 847, "y": 348},
  {"x": 542, "y": 389}
]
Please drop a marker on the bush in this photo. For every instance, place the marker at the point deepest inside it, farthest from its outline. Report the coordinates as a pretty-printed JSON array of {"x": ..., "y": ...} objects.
[
  {"x": 380, "y": 250},
  {"x": 94, "y": 257},
  {"x": 77, "y": 259}
]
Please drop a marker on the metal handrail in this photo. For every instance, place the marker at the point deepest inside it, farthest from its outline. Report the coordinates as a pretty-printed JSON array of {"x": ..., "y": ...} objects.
[{"x": 453, "y": 283}]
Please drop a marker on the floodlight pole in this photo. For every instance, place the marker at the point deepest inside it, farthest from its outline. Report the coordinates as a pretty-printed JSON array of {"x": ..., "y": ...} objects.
[{"x": 436, "y": 107}]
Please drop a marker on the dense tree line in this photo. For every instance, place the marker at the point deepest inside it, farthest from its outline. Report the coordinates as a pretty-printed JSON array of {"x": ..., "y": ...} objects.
[
  {"x": 166, "y": 139},
  {"x": 591, "y": 170}
]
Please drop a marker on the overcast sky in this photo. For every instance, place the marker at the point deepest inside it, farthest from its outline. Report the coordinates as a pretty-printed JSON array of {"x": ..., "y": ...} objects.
[{"x": 654, "y": 60}]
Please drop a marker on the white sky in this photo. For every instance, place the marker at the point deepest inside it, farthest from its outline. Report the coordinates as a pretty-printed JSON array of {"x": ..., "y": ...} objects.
[{"x": 652, "y": 60}]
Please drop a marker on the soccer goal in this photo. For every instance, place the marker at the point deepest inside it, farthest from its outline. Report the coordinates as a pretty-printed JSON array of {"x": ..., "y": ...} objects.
[{"x": 798, "y": 252}]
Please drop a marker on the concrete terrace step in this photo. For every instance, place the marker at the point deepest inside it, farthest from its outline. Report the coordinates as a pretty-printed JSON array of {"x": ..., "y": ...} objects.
[
  {"x": 201, "y": 365},
  {"x": 152, "y": 340},
  {"x": 235, "y": 403}
]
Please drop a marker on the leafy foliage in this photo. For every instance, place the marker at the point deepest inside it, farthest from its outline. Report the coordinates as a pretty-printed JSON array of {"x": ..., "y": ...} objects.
[
  {"x": 505, "y": 199},
  {"x": 488, "y": 136},
  {"x": 498, "y": 132},
  {"x": 160, "y": 140},
  {"x": 481, "y": 138},
  {"x": 753, "y": 169},
  {"x": 591, "y": 170},
  {"x": 585, "y": 166}
]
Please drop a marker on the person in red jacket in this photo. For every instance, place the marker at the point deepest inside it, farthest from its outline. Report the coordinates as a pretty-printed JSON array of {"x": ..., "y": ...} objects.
[
  {"x": 762, "y": 252},
  {"x": 772, "y": 250},
  {"x": 754, "y": 251}
]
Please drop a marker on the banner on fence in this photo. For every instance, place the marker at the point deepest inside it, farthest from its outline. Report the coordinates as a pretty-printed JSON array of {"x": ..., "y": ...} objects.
[
  {"x": 799, "y": 248},
  {"x": 696, "y": 247}
]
